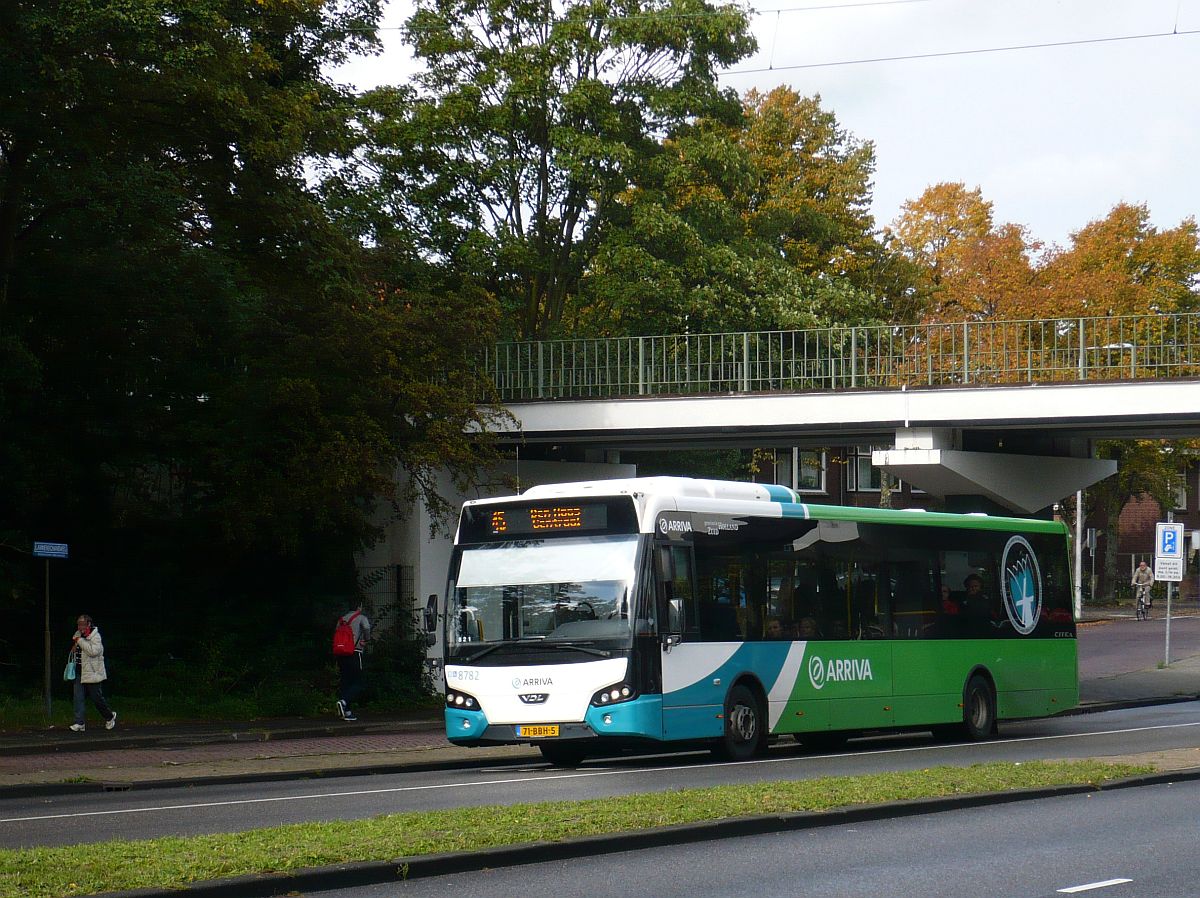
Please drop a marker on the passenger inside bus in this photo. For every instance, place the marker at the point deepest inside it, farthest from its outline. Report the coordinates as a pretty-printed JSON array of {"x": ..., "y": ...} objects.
[{"x": 778, "y": 628}]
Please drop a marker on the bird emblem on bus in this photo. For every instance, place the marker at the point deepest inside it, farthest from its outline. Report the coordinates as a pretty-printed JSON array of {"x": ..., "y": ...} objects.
[{"x": 1021, "y": 585}]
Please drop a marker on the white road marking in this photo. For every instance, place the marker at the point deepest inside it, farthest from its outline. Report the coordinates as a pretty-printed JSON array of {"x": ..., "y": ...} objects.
[
  {"x": 585, "y": 774},
  {"x": 1094, "y": 885}
]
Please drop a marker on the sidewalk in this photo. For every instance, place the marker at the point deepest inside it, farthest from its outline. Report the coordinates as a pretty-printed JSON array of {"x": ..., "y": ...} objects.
[{"x": 57, "y": 760}]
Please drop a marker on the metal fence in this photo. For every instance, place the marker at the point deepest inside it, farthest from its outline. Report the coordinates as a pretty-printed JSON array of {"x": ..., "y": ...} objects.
[{"x": 839, "y": 358}]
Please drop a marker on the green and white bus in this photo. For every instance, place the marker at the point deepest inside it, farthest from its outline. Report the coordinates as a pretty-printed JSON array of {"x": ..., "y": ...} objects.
[{"x": 583, "y": 617}]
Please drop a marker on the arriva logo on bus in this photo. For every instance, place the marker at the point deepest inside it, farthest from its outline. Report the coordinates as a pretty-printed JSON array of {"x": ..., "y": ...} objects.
[
  {"x": 838, "y": 670},
  {"x": 670, "y": 525}
]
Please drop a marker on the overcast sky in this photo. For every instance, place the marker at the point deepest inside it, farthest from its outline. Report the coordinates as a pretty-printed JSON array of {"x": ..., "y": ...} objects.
[{"x": 1054, "y": 136}]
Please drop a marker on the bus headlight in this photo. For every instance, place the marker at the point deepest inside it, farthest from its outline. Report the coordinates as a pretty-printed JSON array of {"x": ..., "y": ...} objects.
[
  {"x": 611, "y": 695},
  {"x": 460, "y": 700}
]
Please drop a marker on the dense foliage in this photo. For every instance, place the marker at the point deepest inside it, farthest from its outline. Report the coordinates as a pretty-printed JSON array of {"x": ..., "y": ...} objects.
[{"x": 208, "y": 382}]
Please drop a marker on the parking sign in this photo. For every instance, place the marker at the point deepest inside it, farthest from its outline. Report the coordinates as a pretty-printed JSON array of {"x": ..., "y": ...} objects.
[
  {"x": 1168, "y": 540},
  {"x": 1168, "y": 552}
]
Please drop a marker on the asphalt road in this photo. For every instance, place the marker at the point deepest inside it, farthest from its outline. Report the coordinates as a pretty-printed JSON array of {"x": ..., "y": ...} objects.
[
  {"x": 1127, "y": 843},
  {"x": 93, "y": 817},
  {"x": 1112, "y": 647}
]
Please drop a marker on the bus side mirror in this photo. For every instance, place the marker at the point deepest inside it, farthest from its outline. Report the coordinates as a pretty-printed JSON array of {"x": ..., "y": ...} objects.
[{"x": 431, "y": 613}]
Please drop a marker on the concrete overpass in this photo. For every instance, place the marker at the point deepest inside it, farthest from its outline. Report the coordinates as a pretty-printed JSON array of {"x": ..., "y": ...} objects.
[{"x": 1004, "y": 410}]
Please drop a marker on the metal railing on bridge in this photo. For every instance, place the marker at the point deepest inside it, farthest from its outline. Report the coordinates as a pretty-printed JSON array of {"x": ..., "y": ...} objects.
[{"x": 839, "y": 358}]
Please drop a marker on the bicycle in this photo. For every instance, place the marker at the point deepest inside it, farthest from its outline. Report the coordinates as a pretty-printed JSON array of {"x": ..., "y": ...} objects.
[{"x": 1143, "y": 602}]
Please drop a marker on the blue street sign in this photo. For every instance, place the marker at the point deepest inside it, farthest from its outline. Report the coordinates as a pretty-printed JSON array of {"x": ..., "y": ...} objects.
[
  {"x": 49, "y": 550},
  {"x": 1168, "y": 540}
]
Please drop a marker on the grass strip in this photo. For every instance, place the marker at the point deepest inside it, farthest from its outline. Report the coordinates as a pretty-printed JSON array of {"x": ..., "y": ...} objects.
[{"x": 175, "y": 862}]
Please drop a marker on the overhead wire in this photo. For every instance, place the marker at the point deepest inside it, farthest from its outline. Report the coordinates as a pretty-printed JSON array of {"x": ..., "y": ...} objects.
[{"x": 948, "y": 53}]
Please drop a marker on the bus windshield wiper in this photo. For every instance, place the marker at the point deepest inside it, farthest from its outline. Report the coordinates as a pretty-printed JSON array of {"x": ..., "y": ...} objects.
[
  {"x": 499, "y": 645},
  {"x": 580, "y": 647},
  {"x": 487, "y": 650}
]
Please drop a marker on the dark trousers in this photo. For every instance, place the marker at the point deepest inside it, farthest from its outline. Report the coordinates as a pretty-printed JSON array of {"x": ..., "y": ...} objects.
[
  {"x": 95, "y": 692},
  {"x": 350, "y": 671}
]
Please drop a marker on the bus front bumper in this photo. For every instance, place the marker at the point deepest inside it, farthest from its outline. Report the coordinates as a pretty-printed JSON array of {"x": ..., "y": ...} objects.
[{"x": 639, "y": 718}]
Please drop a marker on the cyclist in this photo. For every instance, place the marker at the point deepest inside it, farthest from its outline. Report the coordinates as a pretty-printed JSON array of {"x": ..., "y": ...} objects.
[{"x": 1143, "y": 579}]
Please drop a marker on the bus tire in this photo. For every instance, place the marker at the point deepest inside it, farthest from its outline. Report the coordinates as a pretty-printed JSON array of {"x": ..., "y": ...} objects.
[
  {"x": 561, "y": 755},
  {"x": 979, "y": 709},
  {"x": 744, "y": 731}
]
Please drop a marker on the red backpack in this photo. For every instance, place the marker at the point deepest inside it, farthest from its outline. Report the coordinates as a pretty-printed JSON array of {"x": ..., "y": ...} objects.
[{"x": 343, "y": 635}]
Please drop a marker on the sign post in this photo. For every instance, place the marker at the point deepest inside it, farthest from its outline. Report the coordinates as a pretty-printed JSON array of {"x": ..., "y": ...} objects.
[
  {"x": 1168, "y": 566},
  {"x": 48, "y": 550}
]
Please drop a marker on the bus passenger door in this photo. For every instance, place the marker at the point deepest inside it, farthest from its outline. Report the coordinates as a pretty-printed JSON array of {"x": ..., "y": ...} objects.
[{"x": 692, "y": 700}]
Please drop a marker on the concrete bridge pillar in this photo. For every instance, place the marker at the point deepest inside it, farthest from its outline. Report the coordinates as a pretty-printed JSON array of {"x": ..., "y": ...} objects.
[{"x": 1012, "y": 478}]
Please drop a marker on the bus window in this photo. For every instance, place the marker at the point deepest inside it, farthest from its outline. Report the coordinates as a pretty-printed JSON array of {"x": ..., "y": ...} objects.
[
  {"x": 678, "y": 594},
  {"x": 914, "y": 598}
]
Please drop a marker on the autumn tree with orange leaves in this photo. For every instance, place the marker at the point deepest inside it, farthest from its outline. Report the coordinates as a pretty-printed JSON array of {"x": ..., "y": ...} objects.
[{"x": 1123, "y": 265}]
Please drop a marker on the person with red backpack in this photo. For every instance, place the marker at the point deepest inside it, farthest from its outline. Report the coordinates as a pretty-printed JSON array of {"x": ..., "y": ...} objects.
[{"x": 350, "y": 637}]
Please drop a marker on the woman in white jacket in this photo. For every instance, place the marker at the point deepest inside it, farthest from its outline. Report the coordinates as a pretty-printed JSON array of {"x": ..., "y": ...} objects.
[{"x": 90, "y": 674}]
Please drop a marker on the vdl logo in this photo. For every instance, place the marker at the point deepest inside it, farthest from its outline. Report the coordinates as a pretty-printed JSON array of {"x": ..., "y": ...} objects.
[{"x": 1021, "y": 585}]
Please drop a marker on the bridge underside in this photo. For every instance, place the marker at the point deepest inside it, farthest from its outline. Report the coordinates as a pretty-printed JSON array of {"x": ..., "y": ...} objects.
[{"x": 1021, "y": 448}]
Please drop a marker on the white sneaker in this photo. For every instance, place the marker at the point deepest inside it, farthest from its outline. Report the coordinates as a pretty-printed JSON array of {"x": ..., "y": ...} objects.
[
  {"x": 341, "y": 709},
  {"x": 77, "y": 728},
  {"x": 111, "y": 722}
]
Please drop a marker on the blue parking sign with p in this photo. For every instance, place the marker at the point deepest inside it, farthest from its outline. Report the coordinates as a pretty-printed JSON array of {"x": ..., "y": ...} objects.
[{"x": 1169, "y": 543}]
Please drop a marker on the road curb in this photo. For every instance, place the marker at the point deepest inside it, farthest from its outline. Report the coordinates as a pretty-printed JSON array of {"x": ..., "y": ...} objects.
[
  {"x": 368, "y": 873},
  {"x": 40, "y": 790},
  {"x": 102, "y": 742}
]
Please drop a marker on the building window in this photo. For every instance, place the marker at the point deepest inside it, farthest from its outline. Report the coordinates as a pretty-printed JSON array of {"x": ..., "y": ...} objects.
[
  {"x": 861, "y": 475},
  {"x": 784, "y": 467},
  {"x": 810, "y": 471}
]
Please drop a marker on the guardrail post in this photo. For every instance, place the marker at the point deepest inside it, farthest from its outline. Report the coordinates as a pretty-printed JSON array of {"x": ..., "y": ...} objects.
[
  {"x": 745, "y": 361},
  {"x": 540, "y": 382},
  {"x": 966, "y": 357},
  {"x": 641, "y": 366},
  {"x": 853, "y": 356},
  {"x": 1082, "y": 353}
]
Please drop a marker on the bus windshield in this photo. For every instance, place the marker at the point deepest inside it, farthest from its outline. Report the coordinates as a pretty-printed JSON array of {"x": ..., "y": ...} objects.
[{"x": 562, "y": 589}]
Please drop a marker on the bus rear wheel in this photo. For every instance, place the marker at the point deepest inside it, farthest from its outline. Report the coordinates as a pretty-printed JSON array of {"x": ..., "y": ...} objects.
[
  {"x": 562, "y": 755},
  {"x": 979, "y": 709},
  {"x": 745, "y": 734}
]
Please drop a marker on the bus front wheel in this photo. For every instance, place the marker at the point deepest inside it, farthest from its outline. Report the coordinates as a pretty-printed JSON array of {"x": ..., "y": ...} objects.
[
  {"x": 744, "y": 734},
  {"x": 979, "y": 709}
]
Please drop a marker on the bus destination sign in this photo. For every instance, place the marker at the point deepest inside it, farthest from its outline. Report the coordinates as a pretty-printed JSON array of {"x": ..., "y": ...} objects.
[
  {"x": 521, "y": 520},
  {"x": 554, "y": 519}
]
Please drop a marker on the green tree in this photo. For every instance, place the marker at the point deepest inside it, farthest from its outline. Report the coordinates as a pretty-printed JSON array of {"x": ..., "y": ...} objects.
[
  {"x": 759, "y": 225},
  {"x": 207, "y": 382},
  {"x": 530, "y": 122}
]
